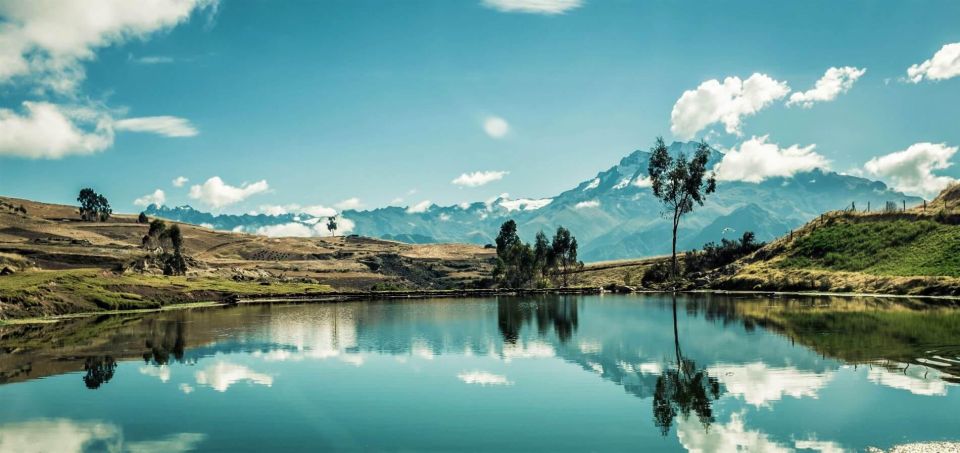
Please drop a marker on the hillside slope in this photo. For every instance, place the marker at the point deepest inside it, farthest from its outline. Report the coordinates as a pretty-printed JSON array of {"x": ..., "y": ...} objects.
[
  {"x": 52, "y": 263},
  {"x": 916, "y": 251}
]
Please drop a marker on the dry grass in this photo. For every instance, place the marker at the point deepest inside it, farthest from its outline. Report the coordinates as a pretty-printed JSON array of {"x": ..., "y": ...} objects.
[{"x": 50, "y": 238}]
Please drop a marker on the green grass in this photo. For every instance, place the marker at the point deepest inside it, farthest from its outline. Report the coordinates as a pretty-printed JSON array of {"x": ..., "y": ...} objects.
[
  {"x": 883, "y": 247},
  {"x": 92, "y": 289}
]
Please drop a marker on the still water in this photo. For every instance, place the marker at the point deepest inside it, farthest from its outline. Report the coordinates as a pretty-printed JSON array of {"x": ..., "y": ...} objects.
[{"x": 598, "y": 373}]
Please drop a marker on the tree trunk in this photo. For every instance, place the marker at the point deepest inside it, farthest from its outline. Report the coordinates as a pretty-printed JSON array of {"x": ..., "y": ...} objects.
[{"x": 673, "y": 267}]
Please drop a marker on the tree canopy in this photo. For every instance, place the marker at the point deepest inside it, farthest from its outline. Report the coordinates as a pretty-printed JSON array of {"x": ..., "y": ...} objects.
[{"x": 93, "y": 206}]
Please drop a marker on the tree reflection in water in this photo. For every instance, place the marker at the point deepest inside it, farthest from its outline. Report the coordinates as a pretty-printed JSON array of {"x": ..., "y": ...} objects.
[
  {"x": 559, "y": 312},
  {"x": 99, "y": 371},
  {"x": 165, "y": 338},
  {"x": 683, "y": 389}
]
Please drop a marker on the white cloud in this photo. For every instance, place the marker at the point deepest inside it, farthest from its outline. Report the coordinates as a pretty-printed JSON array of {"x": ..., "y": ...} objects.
[
  {"x": 305, "y": 229},
  {"x": 548, "y": 7},
  {"x": 726, "y": 103},
  {"x": 732, "y": 436},
  {"x": 911, "y": 170},
  {"x": 945, "y": 64},
  {"x": 587, "y": 204},
  {"x": 496, "y": 127},
  {"x": 757, "y": 160},
  {"x": 152, "y": 59},
  {"x": 349, "y": 203},
  {"x": 157, "y": 198},
  {"x": 916, "y": 379},
  {"x": 525, "y": 204},
  {"x": 420, "y": 207},
  {"x": 50, "y": 131},
  {"x": 275, "y": 209},
  {"x": 834, "y": 82},
  {"x": 179, "y": 181},
  {"x": 45, "y": 41},
  {"x": 221, "y": 375},
  {"x": 71, "y": 436},
  {"x": 759, "y": 384},
  {"x": 483, "y": 378},
  {"x": 167, "y": 126},
  {"x": 217, "y": 194},
  {"x": 318, "y": 211},
  {"x": 479, "y": 178},
  {"x": 293, "y": 208}
]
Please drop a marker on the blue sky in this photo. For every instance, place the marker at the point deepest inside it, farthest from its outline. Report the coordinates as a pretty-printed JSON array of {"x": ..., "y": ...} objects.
[{"x": 386, "y": 101}]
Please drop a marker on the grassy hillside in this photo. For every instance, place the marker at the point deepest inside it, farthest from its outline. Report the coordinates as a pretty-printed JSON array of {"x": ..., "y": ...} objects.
[
  {"x": 883, "y": 247},
  {"x": 912, "y": 252}
]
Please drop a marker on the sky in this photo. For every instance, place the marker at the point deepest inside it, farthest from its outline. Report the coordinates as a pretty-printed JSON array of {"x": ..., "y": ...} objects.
[{"x": 239, "y": 106}]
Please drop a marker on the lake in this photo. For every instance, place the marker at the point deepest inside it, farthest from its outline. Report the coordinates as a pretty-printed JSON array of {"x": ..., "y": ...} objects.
[{"x": 575, "y": 373}]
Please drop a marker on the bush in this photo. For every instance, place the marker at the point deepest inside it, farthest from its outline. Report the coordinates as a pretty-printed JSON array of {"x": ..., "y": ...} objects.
[
  {"x": 658, "y": 272},
  {"x": 714, "y": 256}
]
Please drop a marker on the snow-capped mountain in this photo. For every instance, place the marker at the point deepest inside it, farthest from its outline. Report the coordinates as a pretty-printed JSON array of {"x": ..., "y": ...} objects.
[{"x": 613, "y": 214}]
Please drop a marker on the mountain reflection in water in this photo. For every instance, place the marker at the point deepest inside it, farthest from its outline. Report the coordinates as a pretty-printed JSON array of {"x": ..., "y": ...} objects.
[{"x": 711, "y": 372}]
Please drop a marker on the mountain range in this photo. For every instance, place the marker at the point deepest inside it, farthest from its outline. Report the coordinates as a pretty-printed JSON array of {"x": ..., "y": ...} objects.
[{"x": 614, "y": 215}]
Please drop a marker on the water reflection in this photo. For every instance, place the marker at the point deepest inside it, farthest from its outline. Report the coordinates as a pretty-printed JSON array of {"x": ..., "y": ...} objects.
[
  {"x": 683, "y": 389},
  {"x": 558, "y": 313},
  {"x": 710, "y": 367},
  {"x": 71, "y": 436},
  {"x": 98, "y": 371}
]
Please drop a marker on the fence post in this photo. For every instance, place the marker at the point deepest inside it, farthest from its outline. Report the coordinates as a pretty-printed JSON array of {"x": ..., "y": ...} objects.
[
  {"x": 904, "y": 205},
  {"x": 868, "y": 206}
]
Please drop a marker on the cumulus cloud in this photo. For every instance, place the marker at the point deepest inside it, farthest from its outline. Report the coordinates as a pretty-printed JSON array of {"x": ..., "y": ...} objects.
[
  {"x": 420, "y": 207},
  {"x": 179, "y": 181},
  {"x": 318, "y": 211},
  {"x": 548, "y": 7},
  {"x": 834, "y": 82},
  {"x": 217, "y": 194},
  {"x": 945, "y": 64},
  {"x": 911, "y": 170},
  {"x": 49, "y": 131},
  {"x": 496, "y": 127},
  {"x": 45, "y": 41},
  {"x": 71, "y": 436},
  {"x": 305, "y": 229},
  {"x": 43, "y": 45},
  {"x": 293, "y": 208},
  {"x": 479, "y": 178},
  {"x": 757, "y": 160},
  {"x": 587, "y": 204},
  {"x": 221, "y": 375},
  {"x": 157, "y": 198},
  {"x": 759, "y": 385},
  {"x": 349, "y": 203},
  {"x": 724, "y": 102},
  {"x": 167, "y": 126}
]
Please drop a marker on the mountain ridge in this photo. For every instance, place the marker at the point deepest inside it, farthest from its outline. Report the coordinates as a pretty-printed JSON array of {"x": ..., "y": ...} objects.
[{"x": 613, "y": 214}]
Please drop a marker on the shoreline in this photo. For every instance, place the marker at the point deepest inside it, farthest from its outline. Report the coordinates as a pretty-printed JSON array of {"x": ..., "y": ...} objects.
[{"x": 352, "y": 296}]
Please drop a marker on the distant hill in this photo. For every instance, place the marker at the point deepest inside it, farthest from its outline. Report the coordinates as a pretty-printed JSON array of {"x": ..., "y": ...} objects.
[{"x": 613, "y": 214}]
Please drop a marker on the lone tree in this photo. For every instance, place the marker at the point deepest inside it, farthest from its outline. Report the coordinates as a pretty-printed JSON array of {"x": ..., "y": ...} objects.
[
  {"x": 93, "y": 206},
  {"x": 332, "y": 225},
  {"x": 679, "y": 183},
  {"x": 142, "y": 218}
]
